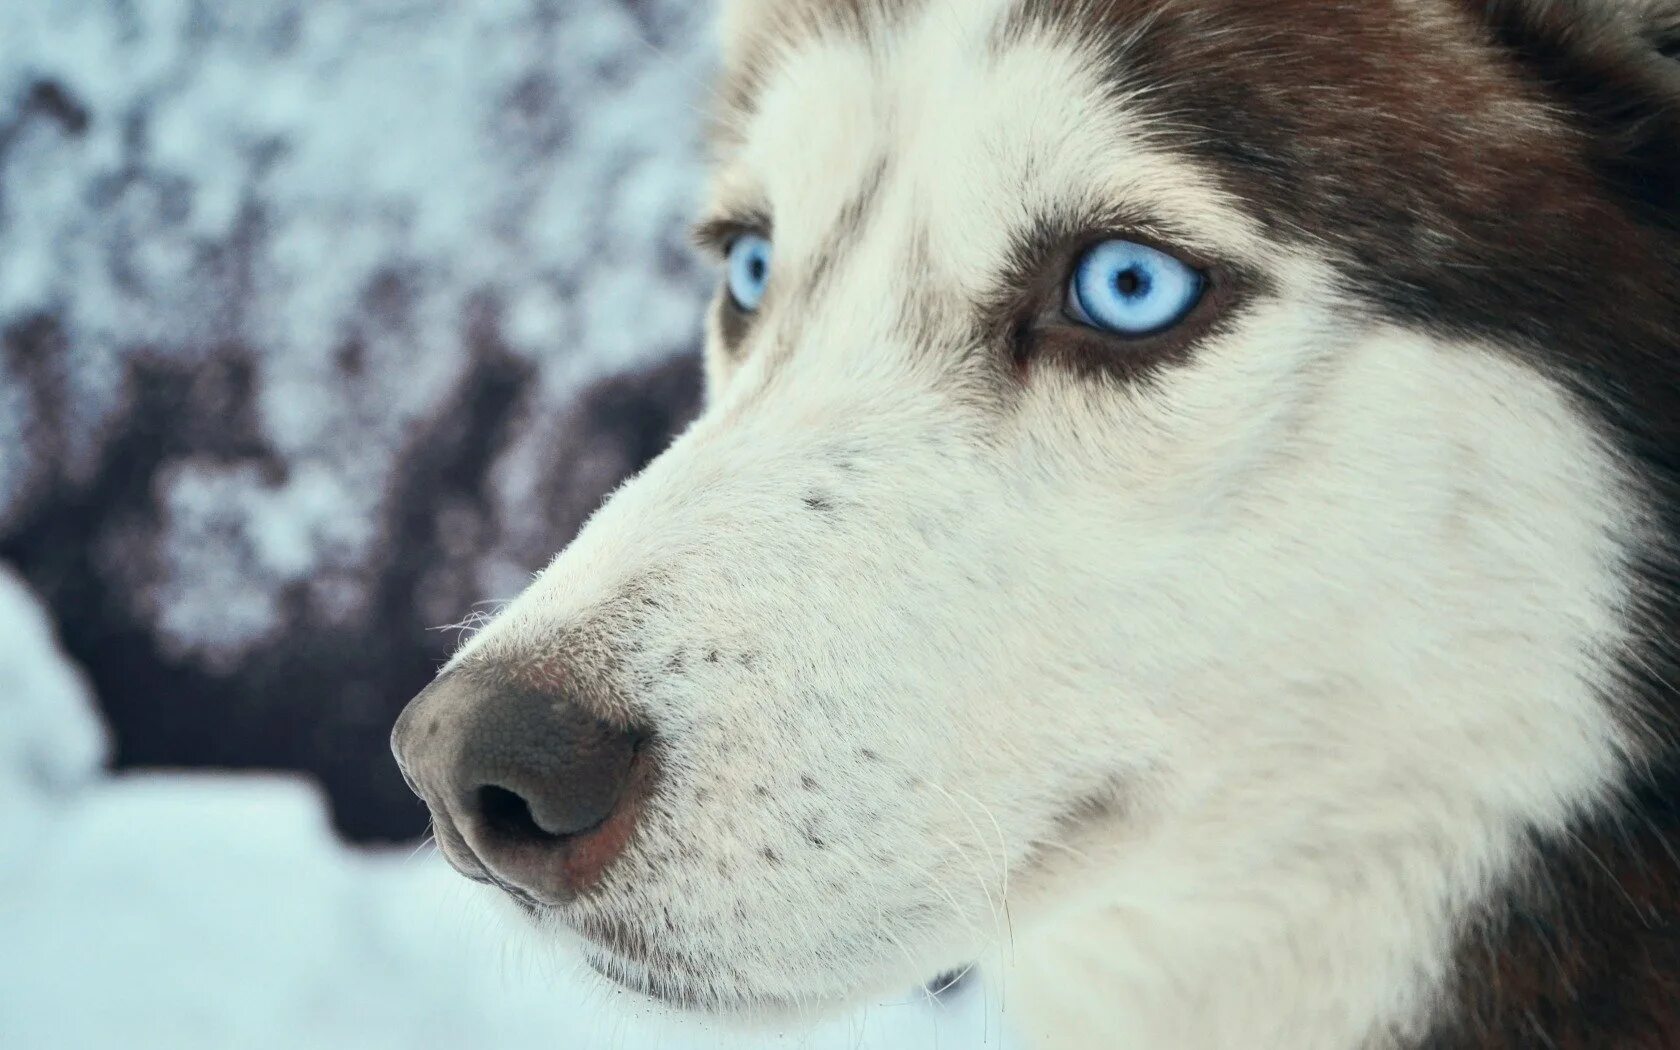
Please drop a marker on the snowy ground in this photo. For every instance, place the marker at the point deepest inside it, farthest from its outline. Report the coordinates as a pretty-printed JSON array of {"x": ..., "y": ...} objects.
[{"x": 178, "y": 912}]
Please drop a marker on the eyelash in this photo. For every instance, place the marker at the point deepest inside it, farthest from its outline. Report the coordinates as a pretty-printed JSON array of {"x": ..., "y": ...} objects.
[{"x": 714, "y": 236}]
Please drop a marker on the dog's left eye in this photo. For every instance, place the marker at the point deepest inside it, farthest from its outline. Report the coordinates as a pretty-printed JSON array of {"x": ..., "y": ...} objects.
[
  {"x": 1131, "y": 289},
  {"x": 749, "y": 270}
]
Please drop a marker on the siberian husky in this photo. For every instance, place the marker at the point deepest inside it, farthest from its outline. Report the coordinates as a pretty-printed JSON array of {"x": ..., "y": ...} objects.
[{"x": 1185, "y": 518}]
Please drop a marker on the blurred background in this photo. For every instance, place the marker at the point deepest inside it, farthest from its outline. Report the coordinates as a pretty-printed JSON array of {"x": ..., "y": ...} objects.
[{"x": 323, "y": 324}]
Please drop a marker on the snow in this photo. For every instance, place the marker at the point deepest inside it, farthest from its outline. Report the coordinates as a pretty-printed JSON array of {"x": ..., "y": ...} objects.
[
  {"x": 181, "y": 911},
  {"x": 51, "y": 741},
  {"x": 292, "y": 183}
]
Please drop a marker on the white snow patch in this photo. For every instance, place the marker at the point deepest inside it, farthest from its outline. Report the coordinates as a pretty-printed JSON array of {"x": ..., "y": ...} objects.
[{"x": 51, "y": 742}]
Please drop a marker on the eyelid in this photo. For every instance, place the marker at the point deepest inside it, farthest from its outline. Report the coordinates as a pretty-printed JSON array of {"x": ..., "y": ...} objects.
[
  {"x": 1157, "y": 238},
  {"x": 716, "y": 235}
]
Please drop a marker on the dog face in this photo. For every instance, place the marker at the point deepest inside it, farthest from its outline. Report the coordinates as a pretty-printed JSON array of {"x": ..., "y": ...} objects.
[{"x": 960, "y": 609}]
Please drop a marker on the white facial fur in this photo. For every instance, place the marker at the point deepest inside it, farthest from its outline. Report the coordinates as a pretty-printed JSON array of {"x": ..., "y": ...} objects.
[{"x": 1203, "y": 708}]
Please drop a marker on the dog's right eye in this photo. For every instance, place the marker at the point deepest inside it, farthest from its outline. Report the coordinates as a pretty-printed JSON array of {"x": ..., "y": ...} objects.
[
  {"x": 1132, "y": 290},
  {"x": 749, "y": 270}
]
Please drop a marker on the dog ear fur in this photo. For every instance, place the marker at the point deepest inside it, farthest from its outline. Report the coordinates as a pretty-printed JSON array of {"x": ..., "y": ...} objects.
[{"x": 1615, "y": 65}]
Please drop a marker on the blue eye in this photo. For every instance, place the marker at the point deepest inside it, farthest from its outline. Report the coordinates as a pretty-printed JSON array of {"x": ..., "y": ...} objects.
[
  {"x": 749, "y": 270},
  {"x": 1132, "y": 289}
]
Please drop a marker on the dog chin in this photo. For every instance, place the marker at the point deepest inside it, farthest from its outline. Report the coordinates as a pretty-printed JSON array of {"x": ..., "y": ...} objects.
[
  {"x": 623, "y": 955},
  {"x": 745, "y": 1011},
  {"x": 630, "y": 968},
  {"x": 667, "y": 986}
]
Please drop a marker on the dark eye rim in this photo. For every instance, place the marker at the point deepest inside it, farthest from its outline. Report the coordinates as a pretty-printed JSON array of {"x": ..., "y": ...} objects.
[{"x": 1038, "y": 330}]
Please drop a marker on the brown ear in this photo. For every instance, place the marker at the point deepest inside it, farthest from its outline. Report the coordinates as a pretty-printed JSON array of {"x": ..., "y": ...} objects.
[
  {"x": 1612, "y": 63},
  {"x": 1651, "y": 24}
]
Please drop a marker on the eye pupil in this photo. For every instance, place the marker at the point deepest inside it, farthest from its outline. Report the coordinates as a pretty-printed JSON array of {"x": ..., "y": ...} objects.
[{"x": 1131, "y": 282}]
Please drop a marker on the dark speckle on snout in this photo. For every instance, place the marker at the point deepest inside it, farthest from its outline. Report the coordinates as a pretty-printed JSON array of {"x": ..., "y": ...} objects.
[
  {"x": 948, "y": 985},
  {"x": 819, "y": 502},
  {"x": 844, "y": 458}
]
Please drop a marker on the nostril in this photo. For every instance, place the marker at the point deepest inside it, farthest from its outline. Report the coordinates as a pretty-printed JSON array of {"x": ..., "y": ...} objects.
[
  {"x": 509, "y": 815},
  {"x": 553, "y": 838}
]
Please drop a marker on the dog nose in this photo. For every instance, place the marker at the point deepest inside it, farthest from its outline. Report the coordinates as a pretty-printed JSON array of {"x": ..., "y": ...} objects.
[{"x": 536, "y": 786}]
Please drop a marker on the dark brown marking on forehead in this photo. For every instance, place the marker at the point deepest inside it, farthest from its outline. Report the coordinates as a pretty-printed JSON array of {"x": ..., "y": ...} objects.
[
  {"x": 933, "y": 316},
  {"x": 841, "y": 238},
  {"x": 735, "y": 325},
  {"x": 848, "y": 228}
]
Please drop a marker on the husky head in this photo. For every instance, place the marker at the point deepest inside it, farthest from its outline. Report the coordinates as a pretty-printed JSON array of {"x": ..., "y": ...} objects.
[{"x": 1167, "y": 466}]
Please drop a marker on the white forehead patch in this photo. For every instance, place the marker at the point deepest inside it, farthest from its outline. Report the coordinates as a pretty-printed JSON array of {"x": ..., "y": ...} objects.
[{"x": 978, "y": 138}]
